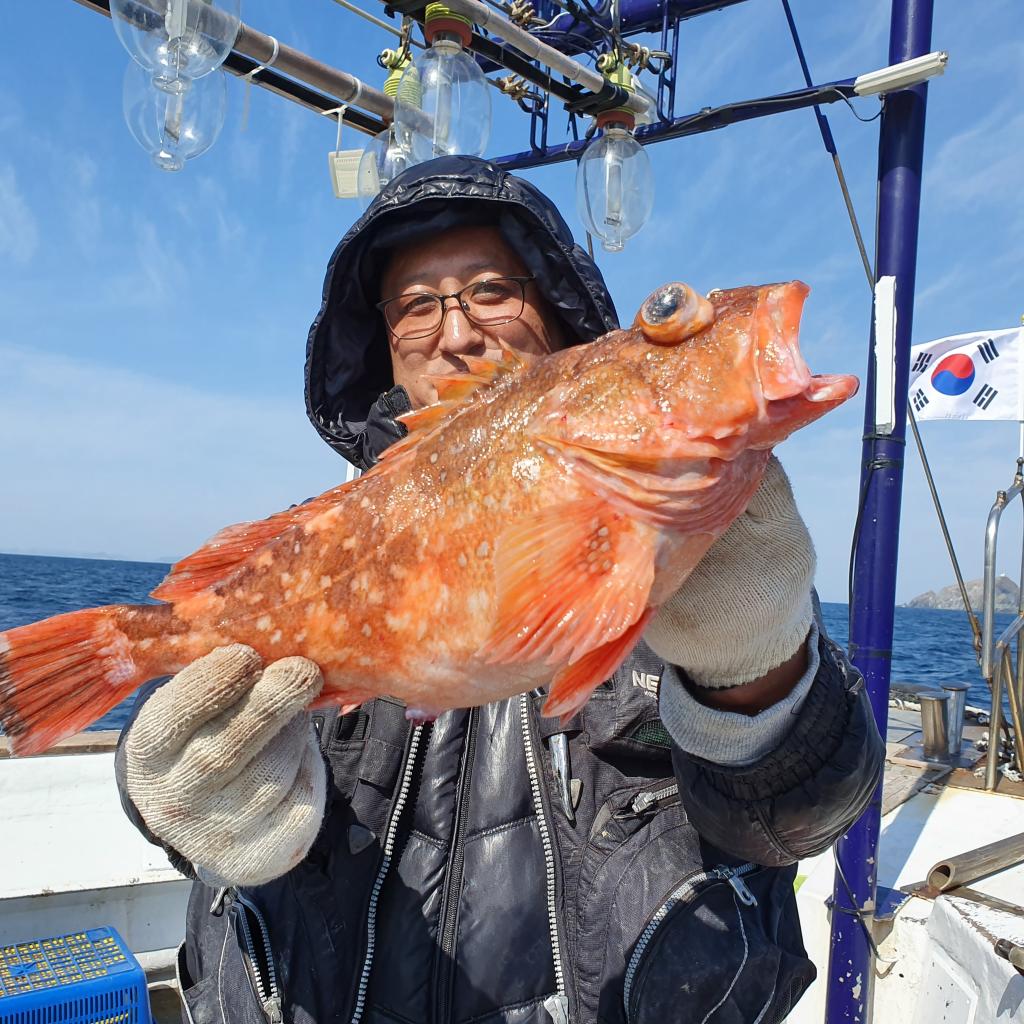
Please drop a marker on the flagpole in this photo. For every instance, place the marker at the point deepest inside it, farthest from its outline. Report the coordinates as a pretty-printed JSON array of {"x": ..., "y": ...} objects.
[{"x": 851, "y": 969}]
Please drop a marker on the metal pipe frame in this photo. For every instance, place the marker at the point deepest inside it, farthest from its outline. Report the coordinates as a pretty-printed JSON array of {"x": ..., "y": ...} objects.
[
  {"x": 1006, "y": 671},
  {"x": 851, "y": 969},
  {"x": 635, "y": 17},
  {"x": 968, "y": 867},
  {"x": 253, "y": 48},
  {"x": 705, "y": 120},
  {"x": 994, "y": 670},
  {"x": 536, "y": 49}
]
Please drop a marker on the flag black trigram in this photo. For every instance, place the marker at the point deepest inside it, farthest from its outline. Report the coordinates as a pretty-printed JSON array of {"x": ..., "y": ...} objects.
[
  {"x": 988, "y": 350},
  {"x": 920, "y": 400},
  {"x": 983, "y": 399},
  {"x": 921, "y": 362}
]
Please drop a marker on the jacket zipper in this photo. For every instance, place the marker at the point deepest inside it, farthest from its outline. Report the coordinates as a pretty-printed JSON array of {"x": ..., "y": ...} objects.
[
  {"x": 453, "y": 875},
  {"x": 269, "y": 994},
  {"x": 558, "y": 1008},
  {"x": 644, "y": 801},
  {"x": 685, "y": 892},
  {"x": 389, "y": 848}
]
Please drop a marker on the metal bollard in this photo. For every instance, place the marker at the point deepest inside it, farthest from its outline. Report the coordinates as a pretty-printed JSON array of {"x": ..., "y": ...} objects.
[
  {"x": 934, "y": 725},
  {"x": 955, "y": 715}
]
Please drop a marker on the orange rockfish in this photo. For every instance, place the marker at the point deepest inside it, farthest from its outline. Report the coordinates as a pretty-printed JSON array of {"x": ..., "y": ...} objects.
[{"x": 522, "y": 534}]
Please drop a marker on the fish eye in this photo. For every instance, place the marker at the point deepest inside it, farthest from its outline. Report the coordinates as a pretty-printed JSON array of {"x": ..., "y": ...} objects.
[{"x": 674, "y": 312}]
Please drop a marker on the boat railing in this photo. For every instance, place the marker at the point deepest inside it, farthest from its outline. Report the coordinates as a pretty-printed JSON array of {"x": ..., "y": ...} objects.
[{"x": 1003, "y": 671}]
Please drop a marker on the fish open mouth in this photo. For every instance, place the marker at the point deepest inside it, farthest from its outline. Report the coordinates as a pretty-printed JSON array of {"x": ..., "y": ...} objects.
[{"x": 781, "y": 367}]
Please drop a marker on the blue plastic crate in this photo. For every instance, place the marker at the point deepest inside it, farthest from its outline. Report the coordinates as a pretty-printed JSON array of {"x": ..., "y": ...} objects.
[{"x": 87, "y": 977}]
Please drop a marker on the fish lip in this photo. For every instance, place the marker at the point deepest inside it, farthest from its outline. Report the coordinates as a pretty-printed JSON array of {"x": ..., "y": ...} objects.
[{"x": 832, "y": 387}]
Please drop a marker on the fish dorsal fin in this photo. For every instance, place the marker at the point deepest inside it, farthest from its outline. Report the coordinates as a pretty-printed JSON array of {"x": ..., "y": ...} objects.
[
  {"x": 228, "y": 549},
  {"x": 454, "y": 391},
  {"x": 419, "y": 423},
  {"x": 570, "y": 579},
  {"x": 482, "y": 373}
]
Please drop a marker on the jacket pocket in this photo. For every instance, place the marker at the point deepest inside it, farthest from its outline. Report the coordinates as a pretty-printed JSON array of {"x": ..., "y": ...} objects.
[
  {"x": 718, "y": 950},
  {"x": 257, "y": 956}
]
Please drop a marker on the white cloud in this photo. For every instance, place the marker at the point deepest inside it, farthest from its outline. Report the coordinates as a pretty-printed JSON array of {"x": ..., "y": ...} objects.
[
  {"x": 101, "y": 461},
  {"x": 19, "y": 232}
]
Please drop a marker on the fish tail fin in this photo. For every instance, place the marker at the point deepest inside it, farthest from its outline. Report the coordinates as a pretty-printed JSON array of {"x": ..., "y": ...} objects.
[{"x": 59, "y": 675}]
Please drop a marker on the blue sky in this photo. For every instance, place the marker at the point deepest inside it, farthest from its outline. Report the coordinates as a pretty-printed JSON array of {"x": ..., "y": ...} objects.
[{"x": 153, "y": 326}]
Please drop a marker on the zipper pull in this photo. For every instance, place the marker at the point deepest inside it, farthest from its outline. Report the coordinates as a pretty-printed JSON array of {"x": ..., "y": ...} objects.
[
  {"x": 747, "y": 898},
  {"x": 643, "y": 802},
  {"x": 557, "y": 1006},
  {"x": 272, "y": 1008}
]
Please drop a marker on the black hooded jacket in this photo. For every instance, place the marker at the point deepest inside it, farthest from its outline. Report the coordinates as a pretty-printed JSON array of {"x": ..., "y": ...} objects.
[{"x": 492, "y": 868}]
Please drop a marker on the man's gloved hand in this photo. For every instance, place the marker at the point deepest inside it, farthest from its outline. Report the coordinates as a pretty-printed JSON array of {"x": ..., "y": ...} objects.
[
  {"x": 746, "y": 608},
  {"x": 224, "y": 765}
]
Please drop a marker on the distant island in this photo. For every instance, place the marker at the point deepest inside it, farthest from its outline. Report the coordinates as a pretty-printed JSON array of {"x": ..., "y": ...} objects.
[{"x": 1007, "y": 596}]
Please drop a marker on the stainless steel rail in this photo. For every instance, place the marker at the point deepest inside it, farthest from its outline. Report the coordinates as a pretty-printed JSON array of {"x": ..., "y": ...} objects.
[{"x": 995, "y": 657}]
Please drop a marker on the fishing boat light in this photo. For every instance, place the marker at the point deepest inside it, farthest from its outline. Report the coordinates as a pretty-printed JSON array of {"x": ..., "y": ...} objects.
[{"x": 902, "y": 75}]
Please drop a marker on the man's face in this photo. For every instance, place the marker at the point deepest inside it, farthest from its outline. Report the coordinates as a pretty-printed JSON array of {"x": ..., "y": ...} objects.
[{"x": 447, "y": 264}]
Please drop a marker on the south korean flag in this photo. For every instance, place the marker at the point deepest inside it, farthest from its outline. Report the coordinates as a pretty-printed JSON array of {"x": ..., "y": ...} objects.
[{"x": 968, "y": 377}]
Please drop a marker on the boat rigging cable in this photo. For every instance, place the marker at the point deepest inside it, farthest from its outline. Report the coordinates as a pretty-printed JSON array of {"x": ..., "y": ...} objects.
[{"x": 829, "y": 142}]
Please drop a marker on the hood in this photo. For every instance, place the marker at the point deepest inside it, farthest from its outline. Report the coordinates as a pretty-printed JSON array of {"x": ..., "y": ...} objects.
[{"x": 350, "y": 395}]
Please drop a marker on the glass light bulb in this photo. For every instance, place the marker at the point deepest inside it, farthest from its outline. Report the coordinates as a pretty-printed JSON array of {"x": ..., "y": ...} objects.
[
  {"x": 384, "y": 158},
  {"x": 614, "y": 188},
  {"x": 177, "y": 39},
  {"x": 174, "y": 125},
  {"x": 453, "y": 113}
]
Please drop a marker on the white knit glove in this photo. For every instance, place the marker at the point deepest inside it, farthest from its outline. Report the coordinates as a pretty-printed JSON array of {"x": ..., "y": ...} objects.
[
  {"x": 746, "y": 608},
  {"x": 224, "y": 765}
]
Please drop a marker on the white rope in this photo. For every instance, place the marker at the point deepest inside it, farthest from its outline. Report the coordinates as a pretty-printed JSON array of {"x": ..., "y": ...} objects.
[
  {"x": 339, "y": 112},
  {"x": 251, "y": 75}
]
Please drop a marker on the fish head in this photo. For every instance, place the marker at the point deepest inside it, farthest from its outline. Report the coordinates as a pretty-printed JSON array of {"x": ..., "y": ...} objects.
[
  {"x": 693, "y": 395},
  {"x": 726, "y": 370}
]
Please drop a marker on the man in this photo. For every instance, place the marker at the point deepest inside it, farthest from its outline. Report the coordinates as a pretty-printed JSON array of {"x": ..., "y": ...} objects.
[{"x": 491, "y": 866}]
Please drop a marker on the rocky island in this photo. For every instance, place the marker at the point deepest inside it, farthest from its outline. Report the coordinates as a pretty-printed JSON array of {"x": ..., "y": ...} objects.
[{"x": 1007, "y": 596}]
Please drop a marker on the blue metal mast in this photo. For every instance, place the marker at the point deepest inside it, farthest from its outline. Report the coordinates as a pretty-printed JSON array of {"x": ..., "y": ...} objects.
[{"x": 901, "y": 145}]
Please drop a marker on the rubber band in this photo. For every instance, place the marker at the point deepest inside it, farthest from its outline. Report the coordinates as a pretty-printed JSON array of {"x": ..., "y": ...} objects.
[{"x": 251, "y": 75}]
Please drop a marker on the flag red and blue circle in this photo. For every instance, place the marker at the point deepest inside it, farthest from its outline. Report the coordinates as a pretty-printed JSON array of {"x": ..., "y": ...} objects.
[{"x": 953, "y": 375}]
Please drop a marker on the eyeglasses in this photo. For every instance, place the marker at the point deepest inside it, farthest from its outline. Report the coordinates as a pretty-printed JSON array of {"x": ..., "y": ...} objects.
[{"x": 499, "y": 300}]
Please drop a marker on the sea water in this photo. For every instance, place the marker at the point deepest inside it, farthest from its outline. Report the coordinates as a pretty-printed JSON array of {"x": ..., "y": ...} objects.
[{"x": 929, "y": 647}]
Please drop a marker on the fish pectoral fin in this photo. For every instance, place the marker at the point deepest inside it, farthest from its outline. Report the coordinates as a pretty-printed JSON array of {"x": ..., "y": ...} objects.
[
  {"x": 569, "y": 579},
  {"x": 572, "y": 687}
]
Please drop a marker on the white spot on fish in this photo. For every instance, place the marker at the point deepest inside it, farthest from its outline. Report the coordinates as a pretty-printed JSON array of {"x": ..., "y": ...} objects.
[
  {"x": 286, "y": 578},
  {"x": 325, "y": 582},
  {"x": 376, "y": 522},
  {"x": 263, "y": 623},
  {"x": 300, "y": 636},
  {"x": 364, "y": 502},
  {"x": 489, "y": 501},
  {"x": 275, "y": 637},
  {"x": 399, "y": 572},
  {"x": 366, "y": 631},
  {"x": 365, "y": 661},
  {"x": 603, "y": 532},
  {"x": 462, "y": 560},
  {"x": 144, "y": 645},
  {"x": 433, "y": 456},
  {"x": 375, "y": 596},
  {"x": 348, "y": 543},
  {"x": 298, "y": 548},
  {"x": 396, "y": 622},
  {"x": 483, "y": 550},
  {"x": 443, "y": 475}
]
